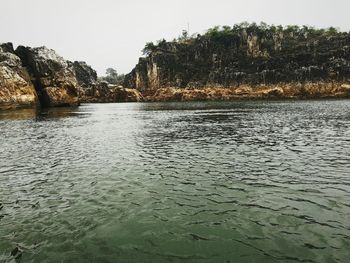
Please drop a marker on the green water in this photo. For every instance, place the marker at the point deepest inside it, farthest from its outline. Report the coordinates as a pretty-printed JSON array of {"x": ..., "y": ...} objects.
[{"x": 177, "y": 182}]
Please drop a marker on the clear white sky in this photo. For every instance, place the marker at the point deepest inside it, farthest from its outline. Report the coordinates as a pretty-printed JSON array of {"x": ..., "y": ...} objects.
[{"x": 112, "y": 33}]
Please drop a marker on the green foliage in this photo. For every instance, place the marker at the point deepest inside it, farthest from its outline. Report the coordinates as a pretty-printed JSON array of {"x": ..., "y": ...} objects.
[
  {"x": 264, "y": 26},
  {"x": 111, "y": 72},
  {"x": 112, "y": 77},
  {"x": 237, "y": 35},
  {"x": 213, "y": 32},
  {"x": 332, "y": 31},
  {"x": 149, "y": 48}
]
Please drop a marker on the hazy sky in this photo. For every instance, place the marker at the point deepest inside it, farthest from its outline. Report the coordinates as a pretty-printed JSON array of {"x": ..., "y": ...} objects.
[{"x": 112, "y": 33}]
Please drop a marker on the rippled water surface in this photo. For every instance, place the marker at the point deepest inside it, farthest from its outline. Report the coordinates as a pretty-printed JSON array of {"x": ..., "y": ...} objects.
[{"x": 191, "y": 182}]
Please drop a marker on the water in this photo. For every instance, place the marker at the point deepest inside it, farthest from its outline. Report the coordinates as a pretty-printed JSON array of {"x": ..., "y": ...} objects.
[{"x": 177, "y": 182}]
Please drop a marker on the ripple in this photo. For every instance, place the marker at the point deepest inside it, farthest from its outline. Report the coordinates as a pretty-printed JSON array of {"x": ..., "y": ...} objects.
[{"x": 177, "y": 182}]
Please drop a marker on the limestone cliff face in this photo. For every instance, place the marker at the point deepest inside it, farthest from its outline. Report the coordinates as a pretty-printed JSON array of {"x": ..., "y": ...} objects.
[
  {"x": 53, "y": 77},
  {"x": 16, "y": 88},
  {"x": 244, "y": 55}
]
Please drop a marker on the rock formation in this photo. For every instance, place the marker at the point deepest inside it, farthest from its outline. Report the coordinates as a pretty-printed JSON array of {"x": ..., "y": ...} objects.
[
  {"x": 32, "y": 77},
  {"x": 16, "y": 88},
  {"x": 245, "y": 55},
  {"x": 53, "y": 78},
  {"x": 245, "y": 61},
  {"x": 93, "y": 90},
  {"x": 245, "y": 92},
  {"x": 86, "y": 75}
]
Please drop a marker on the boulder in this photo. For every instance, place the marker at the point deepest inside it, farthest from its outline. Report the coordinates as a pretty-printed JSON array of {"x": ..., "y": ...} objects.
[
  {"x": 127, "y": 95},
  {"x": 53, "y": 77},
  {"x": 16, "y": 88}
]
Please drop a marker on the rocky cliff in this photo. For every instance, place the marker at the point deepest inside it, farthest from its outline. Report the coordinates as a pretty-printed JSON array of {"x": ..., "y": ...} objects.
[
  {"x": 53, "y": 78},
  {"x": 16, "y": 88},
  {"x": 33, "y": 77},
  {"x": 245, "y": 55}
]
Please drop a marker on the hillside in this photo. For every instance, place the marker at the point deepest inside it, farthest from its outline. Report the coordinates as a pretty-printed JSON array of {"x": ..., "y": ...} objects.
[{"x": 245, "y": 54}]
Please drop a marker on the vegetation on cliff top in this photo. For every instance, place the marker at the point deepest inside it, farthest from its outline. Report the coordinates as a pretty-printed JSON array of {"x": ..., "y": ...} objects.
[
  {"x": 244, "y": 54},
  {"x": 227, "y": 35}
]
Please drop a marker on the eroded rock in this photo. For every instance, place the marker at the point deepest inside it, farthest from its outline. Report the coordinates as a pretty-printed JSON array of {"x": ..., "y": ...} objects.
[
  {"x": 104, "y": 93},
  {"x": 86, "y": 75},
  {"x": 245, "y": 92},
  {"x": 53, "y": 77},
  {"x": 16, "y": 88},
  {"x": 93, "y": 90},
  {"x": 245, "y": 55}
]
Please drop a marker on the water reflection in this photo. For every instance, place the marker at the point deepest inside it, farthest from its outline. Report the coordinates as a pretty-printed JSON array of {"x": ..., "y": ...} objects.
[
  {"x": 61, "y": 112},
  {"x": 39, "y": 114},
  {"x": 19, "y": 114}
]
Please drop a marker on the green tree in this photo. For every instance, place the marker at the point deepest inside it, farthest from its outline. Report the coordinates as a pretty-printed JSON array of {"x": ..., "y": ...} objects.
[
  {"x": 111, "y": 76},
  {"x": 332, "y": 31},
  {"x": 111, "y": 72},
  {"x": 149, "y": 48}
]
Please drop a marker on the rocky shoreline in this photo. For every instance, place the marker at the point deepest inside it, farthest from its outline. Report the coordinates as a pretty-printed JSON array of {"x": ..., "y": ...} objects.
[
  {"x": 16, "y": 87},
  {"x": 246, "y": 61},
  {"x": 39, "y": 77},
  {"x": 242, "y": 62},
  {"x": 262, "y": 92}
]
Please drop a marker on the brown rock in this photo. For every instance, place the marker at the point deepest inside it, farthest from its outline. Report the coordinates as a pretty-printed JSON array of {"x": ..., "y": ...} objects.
[
  {"x": 281, "y": 91},
  {"x": 16, "y": 88},
  {"x": 52, "y": 76}
]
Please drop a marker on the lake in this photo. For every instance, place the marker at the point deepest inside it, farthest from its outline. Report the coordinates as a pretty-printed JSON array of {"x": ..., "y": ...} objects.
[{"x": 177, "y": 182}]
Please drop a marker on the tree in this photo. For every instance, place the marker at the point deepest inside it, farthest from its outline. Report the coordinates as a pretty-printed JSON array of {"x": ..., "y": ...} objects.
[
  {"x": 226, "y": 29},
  {"x": 148, "y": 49},
  {"x": 184, "y": 36},
  {"x": 112, "y": 76},
  {"x": 332, "y": 31},
  {"x": 111, "y": 72}
]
